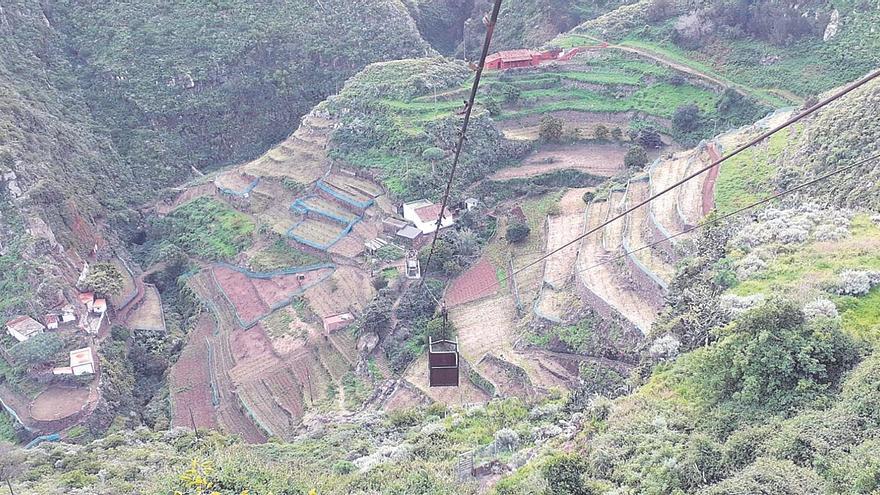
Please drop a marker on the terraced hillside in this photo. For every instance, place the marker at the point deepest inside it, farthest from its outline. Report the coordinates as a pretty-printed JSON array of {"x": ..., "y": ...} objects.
[{"x": 252, "y": 383}]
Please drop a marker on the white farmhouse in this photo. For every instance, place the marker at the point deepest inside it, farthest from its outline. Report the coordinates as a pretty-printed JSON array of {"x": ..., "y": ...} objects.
[{"x": 424, "y": 214}]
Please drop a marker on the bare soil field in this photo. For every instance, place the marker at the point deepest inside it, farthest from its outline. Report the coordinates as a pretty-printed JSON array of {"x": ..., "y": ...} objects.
[
  {"x": 636, "y": 232},
  {"x": 348, "y": 288},
  {"x": 148, "y": 315},
  {"x": 58, "y": 402},
  {"x": 603, "y": 280},
  {"x": 597, "y": 159},
  {"x": 352, "y": 245},
  {"x": 475, "y": 283},
  {"x": 318, "y": 230},
  {"x": 612, "y": 235},
  {"x": 562, "y": 229},
  {"x": 663, "y": 175},
  {"x": 690, "y": 199},
  {"x": 190, "y": 380},
  {"x": 254, "y": 298},
  {"x": 235, "y": 181},
  {"x": 485, "y": 326}
]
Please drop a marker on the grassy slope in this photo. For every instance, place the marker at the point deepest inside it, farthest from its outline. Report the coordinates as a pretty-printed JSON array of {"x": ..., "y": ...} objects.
[{"x": 807, "y": 270}]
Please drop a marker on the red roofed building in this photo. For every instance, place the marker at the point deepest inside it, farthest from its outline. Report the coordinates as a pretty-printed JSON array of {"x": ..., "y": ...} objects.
[
  {"x": 333, "y": 323},
  {"x": 511, "y": 59},
  {"x": 87, "y": 298}
]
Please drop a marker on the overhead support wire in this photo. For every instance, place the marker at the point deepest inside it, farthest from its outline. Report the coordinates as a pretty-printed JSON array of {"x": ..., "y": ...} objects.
[
  {"x": 719, "y": 219},
  {"x": 813, "y": 109},
  {"x": 469, "y": 107}
]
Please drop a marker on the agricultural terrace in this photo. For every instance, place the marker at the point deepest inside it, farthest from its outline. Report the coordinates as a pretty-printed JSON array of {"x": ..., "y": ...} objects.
[
  {"x": 148, "y": 314},
  {"x": 256, "y": 295}
]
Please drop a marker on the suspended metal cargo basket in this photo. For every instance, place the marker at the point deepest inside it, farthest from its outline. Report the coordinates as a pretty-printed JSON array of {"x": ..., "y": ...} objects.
[{"x": 442, "y": 363}]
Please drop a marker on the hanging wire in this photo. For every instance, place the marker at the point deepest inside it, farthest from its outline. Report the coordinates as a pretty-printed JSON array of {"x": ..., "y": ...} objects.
[{"x": 469, "y": 106}]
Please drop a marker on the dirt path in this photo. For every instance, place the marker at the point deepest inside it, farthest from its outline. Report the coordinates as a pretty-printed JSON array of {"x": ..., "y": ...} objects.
[{"x": 603, "y": 160}]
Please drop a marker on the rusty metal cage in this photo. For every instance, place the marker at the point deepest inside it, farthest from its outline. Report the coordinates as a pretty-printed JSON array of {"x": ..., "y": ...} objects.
[{"x": 442, "y": 363}]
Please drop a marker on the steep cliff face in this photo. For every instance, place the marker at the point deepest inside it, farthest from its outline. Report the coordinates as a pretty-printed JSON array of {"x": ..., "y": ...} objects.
[
  {"x": 455, "y": 27},
  {"x": 104, "y": 104},
  {"x": 208, "y": 84}
]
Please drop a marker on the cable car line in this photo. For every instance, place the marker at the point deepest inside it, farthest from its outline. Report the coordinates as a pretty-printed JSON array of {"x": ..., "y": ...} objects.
[
  {"x": 468, "y": 109},
  {"x": 718, "y": 219},
  {"x": 705, "y": 169}
]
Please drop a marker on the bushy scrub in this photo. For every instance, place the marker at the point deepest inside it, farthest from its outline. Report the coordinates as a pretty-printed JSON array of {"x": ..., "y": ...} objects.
[
  {"x": 820, "y": 308},
  {"x": 856, "y": 283},
  {"x": 743, "y": 376},
  {"x": 795, "y": 226}
]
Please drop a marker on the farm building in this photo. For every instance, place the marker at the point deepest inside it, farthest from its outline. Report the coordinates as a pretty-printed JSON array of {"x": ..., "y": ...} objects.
[
  {"x": 51, "y": 321},
  {"x": 511, "y": 59},
  {"x": 82, "y": 361},
  {"x": 24, "y": 327},
  {"x": 408, "y": 235},
  {"x": 333, "y": 323},
  {"x": 87, "y": 298},
  {"x": 68, "y": 313},
  {"x": 424, "y": 215},
  {"x": 99, "y": 306},
  {"x": 392, "y": 225}
]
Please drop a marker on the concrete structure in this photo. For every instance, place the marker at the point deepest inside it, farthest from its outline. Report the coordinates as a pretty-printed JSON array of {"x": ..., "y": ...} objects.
[
  {"x": 87, "y": 299},
  {"x": 424, "y": 214},
  {"x": 413, "y": 268},
  {"x": 333, "y": 323},
  {"x": 391, "y": 225},
  {"x": 82, "y": 361},
  {"x": 471, "y": 203},
  {"x": 24, "y": 327},
  {"x": 408, "y": 235}
]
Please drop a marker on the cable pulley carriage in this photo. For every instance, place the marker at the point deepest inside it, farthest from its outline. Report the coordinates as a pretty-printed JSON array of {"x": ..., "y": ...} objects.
[{"x": 443, "y": 359}]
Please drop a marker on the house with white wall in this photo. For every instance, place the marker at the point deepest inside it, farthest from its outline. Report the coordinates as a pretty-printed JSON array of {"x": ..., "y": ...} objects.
[{"x": 424, "y": 214}]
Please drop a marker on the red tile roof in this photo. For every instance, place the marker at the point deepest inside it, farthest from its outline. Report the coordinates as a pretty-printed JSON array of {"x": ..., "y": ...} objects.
[
  {"x": 429, "y": 213},
  {"x": 511, "y": 55}
]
